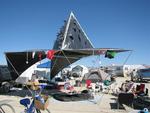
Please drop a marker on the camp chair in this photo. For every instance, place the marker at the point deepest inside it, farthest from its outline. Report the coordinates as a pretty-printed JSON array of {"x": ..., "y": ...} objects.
[
  {"x": 125, "y": 98},
  {"x": 140, "y": 89}
]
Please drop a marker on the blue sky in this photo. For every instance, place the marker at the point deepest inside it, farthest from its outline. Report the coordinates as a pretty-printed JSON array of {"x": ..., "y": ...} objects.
[{"x": 33, "y": 24}]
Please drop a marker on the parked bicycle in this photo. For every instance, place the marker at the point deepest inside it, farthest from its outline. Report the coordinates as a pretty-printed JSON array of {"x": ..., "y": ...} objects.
[{"x": 39, "y": 103}]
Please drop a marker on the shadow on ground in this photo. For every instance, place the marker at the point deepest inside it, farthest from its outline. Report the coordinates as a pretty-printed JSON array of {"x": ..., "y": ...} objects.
[
  {"x": 26, "y": 92},
  {"x": 114, "y": 105}
]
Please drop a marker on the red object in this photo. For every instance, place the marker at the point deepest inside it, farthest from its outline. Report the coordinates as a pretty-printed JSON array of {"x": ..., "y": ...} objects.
[
  {"x": 50, "y": 54},
  {"x": 40, "y": 56},
  {"x": 88, "y": 83}
]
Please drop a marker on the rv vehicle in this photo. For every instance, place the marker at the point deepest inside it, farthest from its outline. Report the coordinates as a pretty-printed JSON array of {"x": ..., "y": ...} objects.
[
  {"x": 79, "y": 71},
  {"x": 143, "y": 74},
  {"x": 5, "y": 79},
  {"x": 114, "y": 70}
]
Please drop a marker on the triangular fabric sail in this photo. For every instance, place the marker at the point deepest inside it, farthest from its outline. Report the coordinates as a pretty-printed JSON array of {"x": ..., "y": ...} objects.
[{"x": 72, "y": 36}]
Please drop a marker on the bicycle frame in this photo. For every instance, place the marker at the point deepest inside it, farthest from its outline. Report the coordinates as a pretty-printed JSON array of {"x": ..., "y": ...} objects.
[
  {"x": 32, "y": 108},
  {"x": 26, "y": 102}
]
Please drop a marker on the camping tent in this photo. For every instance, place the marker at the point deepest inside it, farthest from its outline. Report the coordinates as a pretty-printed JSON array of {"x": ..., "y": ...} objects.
[{"x": 96, "y": 75}]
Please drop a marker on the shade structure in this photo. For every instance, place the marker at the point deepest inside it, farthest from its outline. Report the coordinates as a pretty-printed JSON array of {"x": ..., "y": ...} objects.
[
  {"x": 71, "y": 44},
  {"x": 18, "y": 62}
]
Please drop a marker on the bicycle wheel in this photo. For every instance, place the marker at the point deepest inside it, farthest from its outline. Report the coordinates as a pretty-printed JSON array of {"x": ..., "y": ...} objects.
[
  {"x": 6, "y": 108},
  {"x": 42, "y": 111}
]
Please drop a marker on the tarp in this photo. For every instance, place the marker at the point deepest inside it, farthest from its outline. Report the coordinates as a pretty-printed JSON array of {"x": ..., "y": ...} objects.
[{"x": 45, "y": 65}]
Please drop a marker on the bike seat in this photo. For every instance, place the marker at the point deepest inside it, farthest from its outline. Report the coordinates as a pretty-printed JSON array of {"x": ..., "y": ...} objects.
[{"x": 25, "y": 102}]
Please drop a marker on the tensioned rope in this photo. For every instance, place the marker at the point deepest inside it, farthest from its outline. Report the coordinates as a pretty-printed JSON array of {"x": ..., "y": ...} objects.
[
  {"x": 127, "y": 57},
  {"x": 66, "y": 57}
]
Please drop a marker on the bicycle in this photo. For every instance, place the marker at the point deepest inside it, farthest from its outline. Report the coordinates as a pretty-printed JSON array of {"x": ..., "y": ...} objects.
[
  {"x": 6, "y": 108},
  {"x": 31, "y": 107}
]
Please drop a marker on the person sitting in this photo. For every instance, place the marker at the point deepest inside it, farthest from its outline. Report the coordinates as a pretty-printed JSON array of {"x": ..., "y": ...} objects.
[
  {"x": 34, "y": 82},
  {"x": 139, "y": 90}
]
